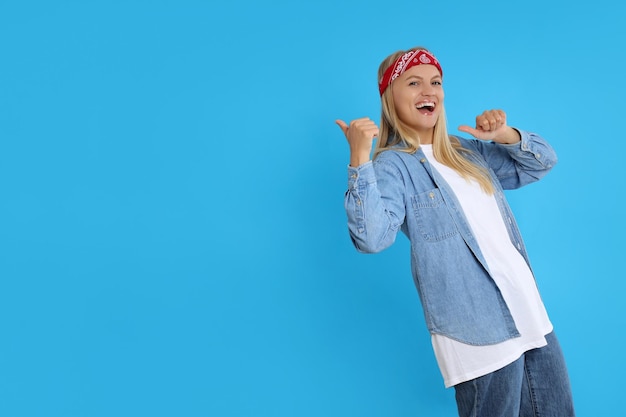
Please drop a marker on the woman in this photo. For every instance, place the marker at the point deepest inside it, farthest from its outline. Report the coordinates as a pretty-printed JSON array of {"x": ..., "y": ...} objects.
[{"x": 491, "y": 334}]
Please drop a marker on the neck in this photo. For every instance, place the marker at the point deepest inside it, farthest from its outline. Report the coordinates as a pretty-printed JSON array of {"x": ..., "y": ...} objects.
[{"x": 426, "y": 136}]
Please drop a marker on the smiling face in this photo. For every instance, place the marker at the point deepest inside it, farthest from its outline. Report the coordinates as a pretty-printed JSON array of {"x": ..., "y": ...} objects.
[{"x": 417, "y": 98}]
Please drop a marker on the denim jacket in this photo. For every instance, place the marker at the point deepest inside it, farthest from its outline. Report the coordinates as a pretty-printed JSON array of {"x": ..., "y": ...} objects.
[{"x": 400, "y": 191}]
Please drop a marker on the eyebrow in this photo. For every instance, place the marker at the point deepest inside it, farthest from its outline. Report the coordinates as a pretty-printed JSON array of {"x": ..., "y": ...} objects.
[{"x": 421, "y": 78}]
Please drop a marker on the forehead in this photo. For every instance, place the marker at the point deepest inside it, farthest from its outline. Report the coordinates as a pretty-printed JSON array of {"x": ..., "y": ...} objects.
[{"x": 422, "y": 70}]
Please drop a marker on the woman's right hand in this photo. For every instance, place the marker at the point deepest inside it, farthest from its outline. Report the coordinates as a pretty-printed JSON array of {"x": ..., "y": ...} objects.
[{"x": 360, "y": 134}]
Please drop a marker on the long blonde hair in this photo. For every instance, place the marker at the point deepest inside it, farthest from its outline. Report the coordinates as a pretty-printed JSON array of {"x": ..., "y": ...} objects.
[{"x": 446, "y": 149}]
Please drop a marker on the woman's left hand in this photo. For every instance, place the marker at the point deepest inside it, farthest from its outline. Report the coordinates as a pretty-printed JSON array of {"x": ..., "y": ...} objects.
[{"x": 491, "y": 125}]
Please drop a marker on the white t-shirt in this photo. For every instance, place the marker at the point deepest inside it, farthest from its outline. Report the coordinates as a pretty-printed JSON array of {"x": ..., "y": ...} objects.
[{"x": 460, "y": 362}]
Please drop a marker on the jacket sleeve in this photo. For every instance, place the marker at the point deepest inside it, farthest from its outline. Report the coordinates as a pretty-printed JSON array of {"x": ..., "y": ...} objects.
[
  {"x": 374, "y": 218},
  {"x": 521, "y": 163}
]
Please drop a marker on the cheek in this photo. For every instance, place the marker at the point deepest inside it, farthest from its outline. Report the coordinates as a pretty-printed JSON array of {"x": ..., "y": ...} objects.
[
  {"x": 403, "y": 113},
  {"x": 396, "y": 100},
  {"x": 403, "y": 105}
]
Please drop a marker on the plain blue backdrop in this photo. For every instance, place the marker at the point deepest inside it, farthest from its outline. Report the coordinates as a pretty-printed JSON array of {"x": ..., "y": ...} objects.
[{"x": 172, "y": 233}]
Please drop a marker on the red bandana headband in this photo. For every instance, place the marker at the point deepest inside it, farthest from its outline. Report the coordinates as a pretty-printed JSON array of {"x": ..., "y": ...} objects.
[{"x": 403, "y": 63}]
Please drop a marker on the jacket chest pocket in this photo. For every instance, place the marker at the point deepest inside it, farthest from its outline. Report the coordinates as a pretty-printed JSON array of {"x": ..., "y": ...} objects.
[{"x": 432, "y": 218}]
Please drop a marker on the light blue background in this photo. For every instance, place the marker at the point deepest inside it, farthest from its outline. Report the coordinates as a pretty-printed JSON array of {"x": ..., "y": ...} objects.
[{"x": 172, "y": 234}]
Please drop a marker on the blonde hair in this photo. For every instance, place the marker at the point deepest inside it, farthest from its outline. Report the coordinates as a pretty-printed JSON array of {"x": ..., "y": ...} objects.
[{"x": 446, "y": 149}]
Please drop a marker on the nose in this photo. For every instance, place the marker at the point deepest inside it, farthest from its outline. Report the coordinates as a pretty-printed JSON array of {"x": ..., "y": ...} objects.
[{"x": 428, "y": 89}]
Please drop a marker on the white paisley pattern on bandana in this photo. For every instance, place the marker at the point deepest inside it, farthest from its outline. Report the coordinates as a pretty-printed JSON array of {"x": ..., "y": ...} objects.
[{"x": 403, "y": 63}]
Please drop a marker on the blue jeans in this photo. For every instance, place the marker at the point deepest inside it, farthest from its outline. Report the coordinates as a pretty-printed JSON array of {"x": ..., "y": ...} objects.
[{"x": 535, "y": 385}]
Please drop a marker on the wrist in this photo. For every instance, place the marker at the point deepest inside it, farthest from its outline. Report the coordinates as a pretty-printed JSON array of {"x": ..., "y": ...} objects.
[
  {"x": 359, "y": 158},
  {"x": 510, "y": 136},
  {"x": 356, "y": 162}
]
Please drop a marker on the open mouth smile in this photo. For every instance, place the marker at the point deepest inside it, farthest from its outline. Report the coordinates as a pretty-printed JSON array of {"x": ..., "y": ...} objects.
[{"x": 425, "y": 107}]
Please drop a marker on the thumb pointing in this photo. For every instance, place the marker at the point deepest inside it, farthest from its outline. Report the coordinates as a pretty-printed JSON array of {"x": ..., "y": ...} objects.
[{"x": 342, "y": 125}]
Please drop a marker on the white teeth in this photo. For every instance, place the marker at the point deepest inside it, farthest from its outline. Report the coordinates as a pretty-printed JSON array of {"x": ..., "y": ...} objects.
[{"x": 427, "y": 104}]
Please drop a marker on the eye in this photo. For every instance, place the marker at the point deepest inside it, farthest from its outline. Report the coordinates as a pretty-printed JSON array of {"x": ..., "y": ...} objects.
[
  {"x": 413, "y": 83},
  {"x": 436, "y": 82}
]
